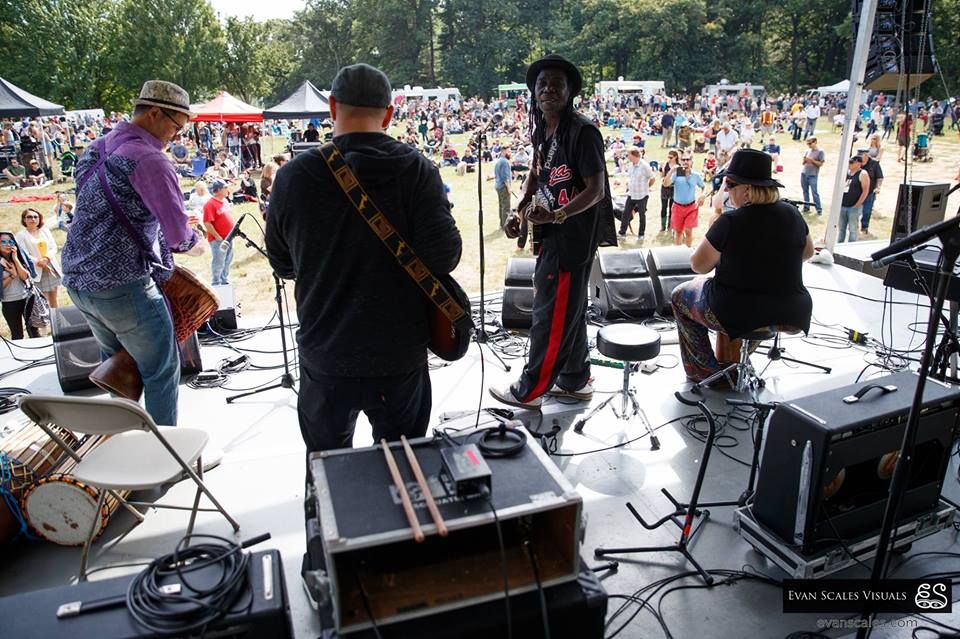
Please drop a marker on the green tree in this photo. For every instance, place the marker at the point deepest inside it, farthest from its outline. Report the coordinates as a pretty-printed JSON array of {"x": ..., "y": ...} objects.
[
  {"x": 258, "y": 58},
  {"x": 55, "y": 49},
  {"x": 176, "y": 40}
]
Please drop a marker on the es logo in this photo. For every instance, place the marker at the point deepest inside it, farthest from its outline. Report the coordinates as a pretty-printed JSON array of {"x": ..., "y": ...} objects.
[{"x": 931, "y": 598}]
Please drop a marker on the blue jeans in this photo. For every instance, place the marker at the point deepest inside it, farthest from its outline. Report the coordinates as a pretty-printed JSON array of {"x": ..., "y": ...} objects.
[
  {"x": 135, "y": 317},
  {"x": 221, "y": 257},
  {"x": 867, "y": 210},
  {"x": 849, "y": 219},
  {"x": 808, "y": 183}
]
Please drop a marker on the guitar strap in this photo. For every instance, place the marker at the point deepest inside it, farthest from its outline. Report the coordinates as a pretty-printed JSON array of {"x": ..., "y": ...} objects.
[
  {"x": 543, "y": 190},
  {"x": 384, "y": 230}
]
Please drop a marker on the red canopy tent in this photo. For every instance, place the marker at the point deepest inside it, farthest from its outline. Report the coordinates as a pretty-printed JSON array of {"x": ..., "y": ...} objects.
[{"x": 226, "y": 108}]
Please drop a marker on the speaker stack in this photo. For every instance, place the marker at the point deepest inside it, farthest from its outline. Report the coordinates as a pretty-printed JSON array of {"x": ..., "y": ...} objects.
[
  {"x": 897, "y": 22},
  {"x": 669, "y": 266},
  {"x": 919, "y": 204},
  {"x": 77, "y": 353},
  {"x": 517, "y": 308},
  {"x": 621, "y": 286}
]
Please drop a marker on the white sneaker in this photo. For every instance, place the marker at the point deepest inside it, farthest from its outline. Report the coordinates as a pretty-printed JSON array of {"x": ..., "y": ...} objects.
[
  {"x": 583, "y": 394},
  {"x": 505, "y": 395}
]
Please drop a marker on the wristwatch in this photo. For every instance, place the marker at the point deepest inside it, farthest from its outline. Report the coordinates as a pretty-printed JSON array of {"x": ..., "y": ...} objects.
[{"x": 559, "y": 216}]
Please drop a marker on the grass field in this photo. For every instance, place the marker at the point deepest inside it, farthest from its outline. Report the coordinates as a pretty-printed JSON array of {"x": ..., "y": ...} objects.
[{"x": 250, "y": 273}]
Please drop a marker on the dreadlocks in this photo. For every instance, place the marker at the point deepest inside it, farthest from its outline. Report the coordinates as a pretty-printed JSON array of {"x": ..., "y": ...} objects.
[{"x": 538, "y": 126}]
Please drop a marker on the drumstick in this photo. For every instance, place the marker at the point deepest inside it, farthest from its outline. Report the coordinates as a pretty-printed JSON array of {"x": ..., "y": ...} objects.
[
  {"x": 402, "y": 489},
  {"x": 424, "y": 488}
]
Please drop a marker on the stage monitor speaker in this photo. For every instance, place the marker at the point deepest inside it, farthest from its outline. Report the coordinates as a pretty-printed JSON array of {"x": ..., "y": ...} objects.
[
  {"x": 669, "y": 267},
  {"x": 516, "y": 311},
  {"x": 621, "y": 286},
  {"x": 261, "y": 610},
  {"x": 225, "y": 319},
  {"x": 76, "y": 352},
  {"x": 827, "y": 462},
  {"x": 928, "y": 205}
]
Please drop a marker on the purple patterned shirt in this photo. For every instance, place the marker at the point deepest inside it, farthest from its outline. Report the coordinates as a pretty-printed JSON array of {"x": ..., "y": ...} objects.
[{"x": 99, "y": 253}]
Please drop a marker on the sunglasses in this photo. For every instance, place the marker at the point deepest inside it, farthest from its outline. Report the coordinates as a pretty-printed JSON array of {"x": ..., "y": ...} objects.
[
  {"x": 180, "y": 127},
  {"x": 31, "y": 217},
  {"x": 731, "y": 184},
  {"x": 7, "y": 242}
]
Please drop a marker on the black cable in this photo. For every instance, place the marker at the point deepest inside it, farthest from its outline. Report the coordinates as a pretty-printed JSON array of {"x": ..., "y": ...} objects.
[
  {"x": 544, "y": 617},
  {"x": 8, "y": 398},
  {"x": 366, "y": 607},
  {"x": 500, "y": 441},
  {"x": 195, "y": 607}
]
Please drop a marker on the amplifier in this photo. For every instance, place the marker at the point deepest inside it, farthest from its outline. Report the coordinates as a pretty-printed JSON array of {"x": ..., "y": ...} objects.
[
  {"x": 517, "y": 308},
  {"x": 927, "y": 205},
  {"x": 669, "y": 267},
  {"x": 620, "y": 285},
  {"x": 77, "y": 353},
  {"x": 901, "y": 277},
  {"x": 827, "y": 462},
  {"x": 263, "y": 611},
  {"x": 377, "y": 570}
]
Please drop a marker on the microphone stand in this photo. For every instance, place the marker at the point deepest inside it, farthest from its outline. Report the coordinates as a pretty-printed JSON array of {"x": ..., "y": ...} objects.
[
  {"x": 949, "y": 234},
  {"x": 286, "y": 380},
  {"x": 480, "y": 334}
]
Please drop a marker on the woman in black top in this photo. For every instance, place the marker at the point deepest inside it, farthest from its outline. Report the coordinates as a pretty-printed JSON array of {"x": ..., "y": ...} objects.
[
  {"x": 758, "y": 251},
  {"x": 666, "y": 188}
]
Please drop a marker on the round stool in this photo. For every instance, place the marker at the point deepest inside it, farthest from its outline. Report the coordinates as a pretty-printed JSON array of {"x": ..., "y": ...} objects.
[
  {"x": 627, "y": 343},
  {"x": 747, "y": 377}
]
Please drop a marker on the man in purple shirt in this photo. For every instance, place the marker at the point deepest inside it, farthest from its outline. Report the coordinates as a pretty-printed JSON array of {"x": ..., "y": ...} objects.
[{"x": 111, "y": 270}]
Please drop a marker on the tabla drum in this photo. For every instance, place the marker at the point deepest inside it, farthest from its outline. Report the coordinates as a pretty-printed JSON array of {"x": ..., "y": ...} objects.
[
  {"x": 62, "y": 509},
  {"x": 27, "y": 453}
]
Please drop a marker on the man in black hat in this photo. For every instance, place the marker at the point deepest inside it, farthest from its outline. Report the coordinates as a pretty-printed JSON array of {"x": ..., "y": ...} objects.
[
  {"x": 363, "y": 321},
  {"x": 758, "y": 250},
  {"x": 567, "y": 199},
  {"x": 875, "y": 173}
]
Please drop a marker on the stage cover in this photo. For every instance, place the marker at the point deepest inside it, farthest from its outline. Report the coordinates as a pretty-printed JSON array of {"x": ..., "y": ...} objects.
[
  {"x": 15, "y": 102},
  {"x": 306, "y": 102},
  {"x": 226, "y": 108}
]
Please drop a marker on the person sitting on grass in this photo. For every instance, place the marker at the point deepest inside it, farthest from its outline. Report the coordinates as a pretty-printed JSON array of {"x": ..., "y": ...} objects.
[
  {"x": 15, "y": 172},
  {"x": 35, "y": 175}
]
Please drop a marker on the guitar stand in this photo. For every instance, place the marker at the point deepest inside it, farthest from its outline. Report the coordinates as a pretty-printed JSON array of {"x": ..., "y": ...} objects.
[
  {"x": 689, "y": 512},
  {"x": 745, "y": 497}
]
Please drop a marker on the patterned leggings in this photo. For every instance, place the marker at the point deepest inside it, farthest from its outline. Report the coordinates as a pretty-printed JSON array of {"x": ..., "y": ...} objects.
[{"x": 694, "y": 322}]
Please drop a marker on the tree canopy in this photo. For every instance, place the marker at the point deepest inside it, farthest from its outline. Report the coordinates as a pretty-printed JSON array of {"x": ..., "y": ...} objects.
[{"x": 87, "y": 54}]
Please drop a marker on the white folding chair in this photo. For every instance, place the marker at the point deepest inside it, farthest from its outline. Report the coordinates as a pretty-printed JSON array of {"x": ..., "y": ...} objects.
[{"x": 138, "y": 455}]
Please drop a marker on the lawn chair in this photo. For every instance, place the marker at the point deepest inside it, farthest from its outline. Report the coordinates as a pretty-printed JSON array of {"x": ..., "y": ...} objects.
[
  {"x": 68, "y": 162},
  {"x": 138, "y": 455},
  {"x": 199, "y": 167}
]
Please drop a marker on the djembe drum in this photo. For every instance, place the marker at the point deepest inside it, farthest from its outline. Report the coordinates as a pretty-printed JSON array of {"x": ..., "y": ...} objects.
[{"x": 191, "y": 303}]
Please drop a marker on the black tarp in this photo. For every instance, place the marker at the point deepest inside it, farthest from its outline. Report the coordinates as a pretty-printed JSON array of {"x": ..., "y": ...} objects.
[
  {"x": 305, "y": 102},
  {"x": 15, "y": 103}
]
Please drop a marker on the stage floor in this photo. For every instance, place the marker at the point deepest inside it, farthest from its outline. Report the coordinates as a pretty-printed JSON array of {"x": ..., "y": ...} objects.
[{"x": 260, "y": 480}]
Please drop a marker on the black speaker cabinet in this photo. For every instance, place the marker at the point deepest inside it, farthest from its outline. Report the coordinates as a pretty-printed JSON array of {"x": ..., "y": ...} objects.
[
  {"x": 77, "y": 353},
  {"x": 517, "y": 308},
  {"x": 620, "y": 285},
  {"x": 669, "y": 267},
  {"x": 827, "y": 463},
  {"x": 928, "y": 205}
]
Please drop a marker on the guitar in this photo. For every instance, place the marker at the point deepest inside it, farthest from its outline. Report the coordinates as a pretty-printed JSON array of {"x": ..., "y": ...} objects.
[{"x": 451, "y": 324}]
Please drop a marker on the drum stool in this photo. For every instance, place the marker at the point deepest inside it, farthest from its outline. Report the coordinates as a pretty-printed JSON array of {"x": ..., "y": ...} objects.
[
  {"x": 630, "y": 344},
  {"x": 747, "y": 377}
]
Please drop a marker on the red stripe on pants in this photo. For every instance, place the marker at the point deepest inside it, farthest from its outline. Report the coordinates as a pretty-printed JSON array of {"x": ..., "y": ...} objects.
[{"x": 557, "y": 324}]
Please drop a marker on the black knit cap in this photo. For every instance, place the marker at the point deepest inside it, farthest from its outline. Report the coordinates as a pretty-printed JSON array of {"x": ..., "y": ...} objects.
[
  {"x": 361, "y": 85},
  {"x": 554, "y": 61}
]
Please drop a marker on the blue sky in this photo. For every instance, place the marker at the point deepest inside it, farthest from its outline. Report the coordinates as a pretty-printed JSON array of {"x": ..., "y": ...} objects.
[{"x": 259, "y": 9}]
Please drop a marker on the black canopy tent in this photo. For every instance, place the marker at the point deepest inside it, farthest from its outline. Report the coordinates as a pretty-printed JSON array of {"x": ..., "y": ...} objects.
[
  {"x": 15, "y": 102},
  {"x": 306, "y": 102}
]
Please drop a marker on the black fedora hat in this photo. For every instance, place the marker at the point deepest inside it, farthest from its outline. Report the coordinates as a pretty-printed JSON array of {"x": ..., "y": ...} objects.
[
  {"x": 554, "y": 61},
  {"x": 749, "y": 166}
]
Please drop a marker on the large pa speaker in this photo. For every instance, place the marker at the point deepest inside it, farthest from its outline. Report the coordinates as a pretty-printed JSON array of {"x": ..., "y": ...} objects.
[
  {"x": 827, "y": 462},
  {"x": 901, "y": 47},
  {"x": 669, "y": 267},
  {"x": 927, "y": 205},
  {"x": 77, "y": 353},
  {"x": 517, "y": 308},
  {"x": 620, "y": 285}
]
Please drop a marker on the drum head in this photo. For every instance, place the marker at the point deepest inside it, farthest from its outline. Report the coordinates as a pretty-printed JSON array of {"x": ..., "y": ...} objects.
[{"x": 62, "y": 510}]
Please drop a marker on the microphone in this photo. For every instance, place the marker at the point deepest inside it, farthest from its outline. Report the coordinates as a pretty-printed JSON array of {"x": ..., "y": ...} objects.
[
  {"x": 890, "y": 259},
  {"x": 917, "y": 237},
  {"x": 232, "y": 234}
]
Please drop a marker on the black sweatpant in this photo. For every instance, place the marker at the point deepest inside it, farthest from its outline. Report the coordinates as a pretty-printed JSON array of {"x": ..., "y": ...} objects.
[
  {"x": 641, "y": 207},
  {"x": 558, "y": 336},
  {"x": 666, "y": 204},
  {"x": 13, "y": 314}
]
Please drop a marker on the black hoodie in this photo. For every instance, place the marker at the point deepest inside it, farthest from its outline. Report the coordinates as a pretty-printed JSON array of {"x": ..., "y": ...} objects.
[{"x": 360, "y": 314}]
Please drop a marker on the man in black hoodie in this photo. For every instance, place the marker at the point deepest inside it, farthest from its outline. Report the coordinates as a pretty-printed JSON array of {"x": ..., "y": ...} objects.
[{"x": 363, "y": 321}]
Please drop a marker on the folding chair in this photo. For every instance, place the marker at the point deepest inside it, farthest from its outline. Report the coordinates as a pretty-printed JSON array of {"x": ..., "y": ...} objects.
[{"x": 139, "y": 454}]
